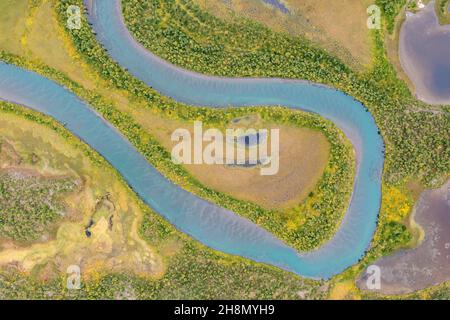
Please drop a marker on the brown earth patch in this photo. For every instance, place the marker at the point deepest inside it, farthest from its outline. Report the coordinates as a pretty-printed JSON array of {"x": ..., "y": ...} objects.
[{"x": 303, "y": 157}]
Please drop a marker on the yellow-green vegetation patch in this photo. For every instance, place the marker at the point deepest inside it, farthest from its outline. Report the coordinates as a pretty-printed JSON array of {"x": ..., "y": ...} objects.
[
  {"x": 296, "y": 227},
  {"x": 13, "y": 22},
  {"x": 328, "y": 24},
  {"x": 249, "y": 49},
  {"x": 390, "y": 10},
  {"x": 96, "y": 228},
  {"x": 191, "y": 270},
  {"x": 29, "y": 204},
  {"x": 443, "y": 11}
]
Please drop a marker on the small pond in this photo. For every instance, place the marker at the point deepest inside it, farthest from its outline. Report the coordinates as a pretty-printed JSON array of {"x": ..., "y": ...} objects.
[{"x": 424, "y": 51}]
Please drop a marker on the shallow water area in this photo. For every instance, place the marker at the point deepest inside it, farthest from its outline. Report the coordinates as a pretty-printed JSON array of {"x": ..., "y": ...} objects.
[
  {"x": 278, "y": 5},
  {"x": 424, "y": 51},
  {"x": 428, "y": 264}
]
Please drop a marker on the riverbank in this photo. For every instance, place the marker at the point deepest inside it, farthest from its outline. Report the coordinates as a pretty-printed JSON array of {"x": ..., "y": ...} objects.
[
  {"x": 240, "y": 49},
  {"x": 400, "y": 130},
  {"x": 223, "y": 276},
  {"x": 221, "y": 92},
  {"x": 258, "y": 243},
  {"x": 142, "y": 114},
  {"x": 387, "y": 76}
]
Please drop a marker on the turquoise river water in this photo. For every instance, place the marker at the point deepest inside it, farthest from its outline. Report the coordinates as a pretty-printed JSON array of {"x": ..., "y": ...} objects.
[{"x": 213, "y": 226}]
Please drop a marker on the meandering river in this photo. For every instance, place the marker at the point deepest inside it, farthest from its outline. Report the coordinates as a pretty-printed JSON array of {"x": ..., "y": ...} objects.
[{"x": 215, "y": 227}]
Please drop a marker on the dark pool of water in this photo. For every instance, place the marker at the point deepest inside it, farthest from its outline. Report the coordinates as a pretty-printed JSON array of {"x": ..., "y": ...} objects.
[
  {"x": 247, "y": 164},
  {"x": 425, "y": 55},
  {"x": 251, "y": 140}
]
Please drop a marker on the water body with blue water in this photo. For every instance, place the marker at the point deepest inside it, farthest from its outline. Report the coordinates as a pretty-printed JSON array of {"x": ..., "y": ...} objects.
[
  {"x": 356, "y": 230},
  {"x": 278, "y": 5},
  {"x": 424, "y": 51},
  {"x": 215, "y": 227},
  {"x": 251, "y": 140}
]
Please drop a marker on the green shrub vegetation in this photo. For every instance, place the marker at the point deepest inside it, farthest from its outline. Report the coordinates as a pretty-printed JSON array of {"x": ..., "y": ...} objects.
[
  {"x": 416, "y": 137},
  {"x": 442, "y": 11},
  {"x": 416, "y": 140},
  {"x": 195, "y": 272},
  {"x": 30, "y": 205},
  {"x": 330, "y": 196},
  {"x": 390, "y": 10},
  {"x": 443, "y": 6}
]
